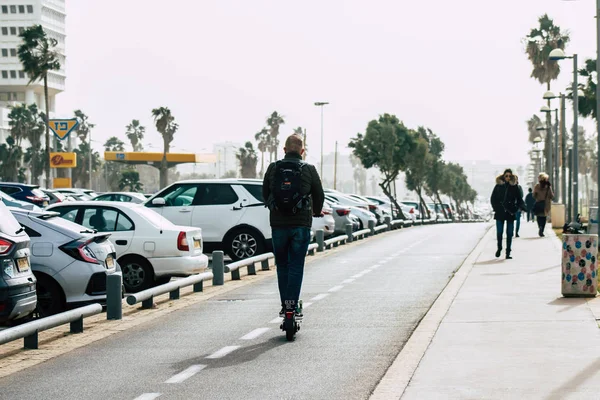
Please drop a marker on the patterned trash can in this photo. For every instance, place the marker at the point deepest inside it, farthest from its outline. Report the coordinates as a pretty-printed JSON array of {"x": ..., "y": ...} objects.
[{"x": 579, "y": 265}]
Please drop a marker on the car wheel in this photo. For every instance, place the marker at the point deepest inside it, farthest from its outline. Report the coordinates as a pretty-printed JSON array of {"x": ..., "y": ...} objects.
[
  {"x": 244, "y": 243},
  {"x": 50, "y": 298},
  {"x": 137, "y": 274},
  {"x": 162, "y": 280}
]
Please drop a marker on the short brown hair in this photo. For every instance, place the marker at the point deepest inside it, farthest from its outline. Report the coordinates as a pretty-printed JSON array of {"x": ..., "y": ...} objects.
[{"x": 294, "y": 143}]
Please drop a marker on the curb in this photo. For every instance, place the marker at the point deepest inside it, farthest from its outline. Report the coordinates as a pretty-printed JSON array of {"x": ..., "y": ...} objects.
[{"x": 399, "y": 374}]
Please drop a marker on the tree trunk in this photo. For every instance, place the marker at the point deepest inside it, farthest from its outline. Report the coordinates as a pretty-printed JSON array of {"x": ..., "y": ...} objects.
[
  {"x": 423, "y": 206},
  {"x": 164, "y": 167},
  {"x": 385, "y": 186},
  {"x": 262, "y": 164},
  {"x": 437, "y": 194},
  {"x": 47, "y": 163}
]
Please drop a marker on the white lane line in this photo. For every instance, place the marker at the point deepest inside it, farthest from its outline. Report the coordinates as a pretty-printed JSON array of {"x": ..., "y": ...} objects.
[
  {"x": 254, "y": 334},
  {"x": 357, "y": 275},
  {"x": 366, "y": 271},
  {"x": 185, "y": 374},
  {"x": 306, "y": 305},
  {"x": 383, "y": 262},
  {"x": 320, "y": 296},
  {"x": 375, "y": 266},
  {"x": 276, "y": 320},
  {"x": 348, "y": 281},
  {"x": 336, "y": 288},
  {"x": 223, "y": 352},
  {"x": 148, "y": 396},
  {"x": 344, "y": 262}
]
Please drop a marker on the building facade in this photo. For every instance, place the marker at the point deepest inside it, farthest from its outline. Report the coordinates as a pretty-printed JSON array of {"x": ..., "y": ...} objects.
[{"x": 15, "y": 17}]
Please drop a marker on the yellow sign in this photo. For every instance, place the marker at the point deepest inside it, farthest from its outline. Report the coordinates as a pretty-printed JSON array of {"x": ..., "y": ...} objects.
[
  {"x": 62, "y": 183},
  {"x": 63, "y": 160},
  {"x": 143, "y": 157},
  {"x": 62, "y": 127}
]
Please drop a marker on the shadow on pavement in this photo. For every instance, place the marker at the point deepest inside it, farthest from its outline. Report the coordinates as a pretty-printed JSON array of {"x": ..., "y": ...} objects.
[
  {"x": 490, "y": 262},
  {"x": 571, "y": 384}
]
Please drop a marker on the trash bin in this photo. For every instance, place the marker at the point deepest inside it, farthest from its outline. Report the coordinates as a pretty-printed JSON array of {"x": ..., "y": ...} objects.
[
  {"x": 558, "y": 215},
  {"x": 579, "y": 265}
]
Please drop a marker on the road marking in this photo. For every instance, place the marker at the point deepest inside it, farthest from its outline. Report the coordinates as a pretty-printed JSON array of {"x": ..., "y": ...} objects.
[
  {"x": 276, "y": 320},
  {"x": 383, "y": 262},
  {"x": 148, "y": 396},
  {"x": 366, "y": 271},
  {"x": 344, "y": 262},
  {"x": 375, "y": 266},
  {"x": 348, "y": 281},
  {"x": 185, "y": 374},
  {"x": 320, "y": 296},
  {"x": 357, "y": 275},
  {"x": 336, "y": 288},
  {"x": 223, "y": 352},
  {"x": 254, "y": 334},
  {"x": 389, "y": 258},
  {"x": 306, "y": 305}
]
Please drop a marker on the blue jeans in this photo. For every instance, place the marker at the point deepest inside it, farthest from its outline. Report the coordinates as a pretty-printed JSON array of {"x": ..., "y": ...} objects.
[
  {"x": 518, "y": 220},
  {"x": 510, "y": 227},
  {"x": 290, "y": 246}
]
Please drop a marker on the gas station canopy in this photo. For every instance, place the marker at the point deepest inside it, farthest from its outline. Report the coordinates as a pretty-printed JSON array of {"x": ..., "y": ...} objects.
[{"x": 154, "y": 159}]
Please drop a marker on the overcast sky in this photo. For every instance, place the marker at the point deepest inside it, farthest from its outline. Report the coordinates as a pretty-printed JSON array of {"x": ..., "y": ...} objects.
[{"x": 222, "y": 66}]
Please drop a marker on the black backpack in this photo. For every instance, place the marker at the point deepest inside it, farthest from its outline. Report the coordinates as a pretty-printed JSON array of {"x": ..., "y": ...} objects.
[{"x": 287, "y": 187}]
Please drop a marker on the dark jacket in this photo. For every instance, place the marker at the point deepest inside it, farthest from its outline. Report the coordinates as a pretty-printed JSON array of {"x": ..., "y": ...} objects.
[
  {"x": 529, "y": 201},
  {"x": 506, "y": 199},
  {"x": 311, "y": 185},
  {"x": 543, "y": 192}
]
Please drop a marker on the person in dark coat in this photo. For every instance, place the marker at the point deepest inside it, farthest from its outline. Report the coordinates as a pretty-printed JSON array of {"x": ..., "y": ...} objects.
[
  {"x": 529, "y": 204},
  {"x": 506, "y": 202},
  {"x": 543, "y": 192}
]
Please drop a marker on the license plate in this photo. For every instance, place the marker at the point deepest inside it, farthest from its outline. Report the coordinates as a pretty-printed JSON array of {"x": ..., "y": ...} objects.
[
  {"x": 23, "y": 264},
  {"x": 197, "y": 243},
  {"x": 110, "y": 262},
  {"x": 45, "y": 204}
]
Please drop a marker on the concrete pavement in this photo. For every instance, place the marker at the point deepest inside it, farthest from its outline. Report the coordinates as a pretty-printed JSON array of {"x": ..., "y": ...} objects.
[{"x": 507, "y": 333}]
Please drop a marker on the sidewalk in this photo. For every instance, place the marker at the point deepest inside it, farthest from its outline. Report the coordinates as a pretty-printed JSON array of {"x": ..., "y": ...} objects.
[{"x": 509, "y": 334}]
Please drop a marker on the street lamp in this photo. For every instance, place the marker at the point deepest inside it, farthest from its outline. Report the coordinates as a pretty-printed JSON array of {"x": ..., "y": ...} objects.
[
  {"x": 557, "y": 55},
  {"x": 554, "y": 172},
  {"x": 321, "y": 104},
  {"x": 570, "y": 196}
]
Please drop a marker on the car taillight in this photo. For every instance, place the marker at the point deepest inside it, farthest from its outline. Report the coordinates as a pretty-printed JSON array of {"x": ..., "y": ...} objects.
[
  {"x": 35, "y": 198},
  {"x": 372, "y": 207},
  {"x": 412, "y": 211},
  {"x": 326, "y": 212},
  {"x": 182, "y": 242},
  {"x": 79, "y": 250},
  {"x": 342, "y": 212},
  {"x": 5, "y": 246}
]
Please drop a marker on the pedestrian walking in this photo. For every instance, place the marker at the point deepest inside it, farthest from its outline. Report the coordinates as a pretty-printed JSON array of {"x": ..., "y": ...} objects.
[
  {"x": 529, "y": 204},
  {"x": 543, "y": 195},
  {"x": 518, "y": 215},
  {"x": 506, "y": 202},
  {"x": 294, "y": 194}
]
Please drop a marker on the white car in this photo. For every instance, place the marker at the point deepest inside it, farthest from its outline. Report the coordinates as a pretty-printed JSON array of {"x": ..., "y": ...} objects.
[
  {"x": 230, "y": 212},
  {"x": 357, "y": 208},
  {"x": 150, "y": 249},
  {"x": 326, "y": 222}
]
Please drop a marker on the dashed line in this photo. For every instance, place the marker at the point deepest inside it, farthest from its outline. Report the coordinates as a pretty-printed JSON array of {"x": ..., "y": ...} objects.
[
  {"x": 223, "y": 352},
  {"x": 366, "y": 271},
  {"x": 320, "y": 296},
  {"x": 336, "y": 288},
  {"x": 357, "y": 275},
  {"x": 254, "y": 334},
  {"x": 306, "y": 305},
  {"x": 348, "y": 281},
  {"x": 276, "y": 320},
  {"x": 185, "y": 374},
  {"x": 148, "y": 396}
]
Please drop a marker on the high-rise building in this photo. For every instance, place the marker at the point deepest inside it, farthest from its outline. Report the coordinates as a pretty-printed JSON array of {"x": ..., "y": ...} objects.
[{"x": 15, "y": 17}]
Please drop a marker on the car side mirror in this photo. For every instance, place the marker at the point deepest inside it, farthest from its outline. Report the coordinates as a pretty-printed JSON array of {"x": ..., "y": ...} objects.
[{"x": 159, "y": 202}]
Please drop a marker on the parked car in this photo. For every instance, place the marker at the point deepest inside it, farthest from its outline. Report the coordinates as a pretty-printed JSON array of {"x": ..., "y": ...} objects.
[
  {"x": 230, "y": 212},
  {"x": 410, "y": 212},
  {"x": 361, "y": 211},
  {"x": 413, "y": 209},
  {"x": 78, "y": 194},
  {"x": 17, "y": 283},
  {"x": 385, "y": 204},
  {"x": 435, "y": 211},
  {"x": 150, "y": 249},
  {"x": 28, "y": 193},
  {"x": 9, "y": 201},
  {"x": 373, "y": 207},
  {"x": 55, "y": 197},
  {"x": 326, "y": 222},
  {"x": 342, "y": 217},
  {"x": 129, "y": 197},
  {"x": 69, "y": 261}
]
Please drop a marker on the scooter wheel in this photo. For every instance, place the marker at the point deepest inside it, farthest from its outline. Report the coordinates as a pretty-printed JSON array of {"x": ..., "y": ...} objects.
[{"x": 290, "y": 335}]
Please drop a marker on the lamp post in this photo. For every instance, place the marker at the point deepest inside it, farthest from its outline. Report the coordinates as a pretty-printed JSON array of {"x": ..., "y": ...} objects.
[
  {"x": 557, "y": 55},
  {"x": 570, "y": 196},
  {"x": 554, "y": 173},
  {"x": 321, "y": 104}
]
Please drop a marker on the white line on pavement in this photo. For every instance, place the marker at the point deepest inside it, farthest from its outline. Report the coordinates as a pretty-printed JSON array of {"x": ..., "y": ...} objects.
[
  {"x": 148, "y": 396},
  {"x": 254, "y": 334},
  {"x": 276, "y": 320},
  {"x": 366, "y": 271},
  {"x": 306, "y": 305},
  {"x": 357, "y": 275},
  {"x": 223, "y": 352},
  {"x": 185, "y": 374},
  {"x": 336, "y": 288},
  {"x": 348, "y": 281},
  {"x": 320, "y": 296}
]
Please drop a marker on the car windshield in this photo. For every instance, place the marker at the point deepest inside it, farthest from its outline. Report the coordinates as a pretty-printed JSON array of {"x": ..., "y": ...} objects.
[
  {"x": 153, "y": 217},
  {"x": 8, "y": 223}
]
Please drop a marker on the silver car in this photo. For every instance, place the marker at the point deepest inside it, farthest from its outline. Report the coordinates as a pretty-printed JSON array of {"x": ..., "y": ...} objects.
[
  {"x": 128, "y": 197},
  {"x": 69, "y": 261},
  {"x": 342, "y": 217}
]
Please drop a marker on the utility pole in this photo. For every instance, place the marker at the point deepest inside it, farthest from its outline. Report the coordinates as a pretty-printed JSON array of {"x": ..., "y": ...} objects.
[
  {"x": 90, "y": 160},
  {"x": 321, "y": 104},
  {"x": 335, "y": 167}
]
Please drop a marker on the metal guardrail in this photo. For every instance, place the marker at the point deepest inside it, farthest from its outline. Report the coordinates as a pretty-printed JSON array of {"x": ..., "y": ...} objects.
[
  {"x": 29, "y": 331},
  {"x": 147, "y": 296},
  {"x": 234, "y": 267},
  {"x": 335, "y": 242},
  {"x": 361, "y": 234},
  {"x": 312, "y": 248},
  {"x": 380, "y": 228}
]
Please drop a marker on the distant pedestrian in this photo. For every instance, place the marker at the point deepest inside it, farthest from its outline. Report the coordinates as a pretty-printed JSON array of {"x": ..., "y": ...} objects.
[
  {"x": 518, "y": 215},
  {"x": 543, "y": 195},
  {"x": 529, "y": 204},
  {"x": 506, "y": 201}
]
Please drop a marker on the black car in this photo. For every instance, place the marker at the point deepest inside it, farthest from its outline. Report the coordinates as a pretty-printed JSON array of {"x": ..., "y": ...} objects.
[
  {"x": 29, "y": 193},
  {"x": 17, "y": 283}
]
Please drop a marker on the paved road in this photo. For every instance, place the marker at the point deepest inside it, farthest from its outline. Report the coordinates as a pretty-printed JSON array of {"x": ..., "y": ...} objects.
[{"x": 361, "y": 315}]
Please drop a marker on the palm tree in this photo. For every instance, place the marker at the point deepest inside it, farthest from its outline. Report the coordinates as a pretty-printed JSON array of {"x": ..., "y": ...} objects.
[
  {"x": 10, "y": 160},
  {"x": 248, "y": 160},
  {"x": 539, "y": 43},
  {"x": 532, "y": 124},
  {"x": 166, "y": 126},
  {"x": 131, "y": 179},
  {"x": 274, "y": 121},
  {"x": 135, "y": 134},
  {"x": 263, "y": 140},
  {"x": 38, "y": 57}
]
